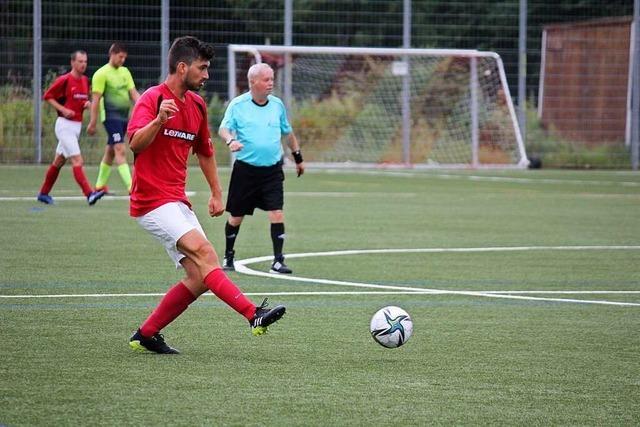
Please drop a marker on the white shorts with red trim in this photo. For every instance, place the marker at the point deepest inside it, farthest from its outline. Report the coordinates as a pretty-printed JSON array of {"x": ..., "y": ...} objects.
[{"x": 168, "y": 223}]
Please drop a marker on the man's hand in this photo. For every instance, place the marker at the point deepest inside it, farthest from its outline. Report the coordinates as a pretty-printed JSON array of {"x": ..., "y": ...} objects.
[
  {"x": 236, "y": 145},
  {"x": 300, "y": 168},
  {"x": 167, "y": 108},
  {"x": 91, "y": 128},
  {"x": 216, "y": 205},
  {"x": 67, "y": 113}
]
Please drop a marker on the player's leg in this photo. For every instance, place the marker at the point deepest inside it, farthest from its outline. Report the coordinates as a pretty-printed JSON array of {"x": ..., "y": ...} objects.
[
  {"x": 276, "y": 219},
  {"x": 167, "y": 224},
  {"x": 104, "y": 171},
  {"x": 197, "y": 248},
  {"x": 77, "y": 165},
  {"x": 51, "y": 176},
  {"x": 120, "y": 154},
  {"x": 273, "y": 202},
  {"x": 241, "y": 201},
  {"x": 173, "y": 304},
  {"x": 231, "y": 230}
]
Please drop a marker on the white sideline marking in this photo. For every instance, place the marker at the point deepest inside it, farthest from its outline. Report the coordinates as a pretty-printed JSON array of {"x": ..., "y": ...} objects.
[
  {"x": 66, "y": 198},
  {"x": 308, "y": 293},
  {"x": 242, "y": 268},
  {"x": 346, "y": 194},
  {"x": 151, "y": 294},
  {"x": 410, "y": 174}
]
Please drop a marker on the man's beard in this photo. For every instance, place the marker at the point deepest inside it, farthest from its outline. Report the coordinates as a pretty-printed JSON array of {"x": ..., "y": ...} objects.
[{"x": 193, "y": 85}]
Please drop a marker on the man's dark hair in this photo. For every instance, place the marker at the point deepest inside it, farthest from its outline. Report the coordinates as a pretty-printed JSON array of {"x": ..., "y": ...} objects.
[
  {"x": 188, "y": 49},
  {"x": 117, "y": 47},
  {"x": 76, "y": 53}
]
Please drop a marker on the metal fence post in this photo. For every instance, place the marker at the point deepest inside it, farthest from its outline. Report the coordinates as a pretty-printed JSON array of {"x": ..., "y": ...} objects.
[
  {"x": 37, "y": 78},
  {"x": 288, "y": 40},
  {"x": 522, "y": 71},
  {"x": 406, "y": 85},
  {"x": 635, "y": 108},
  {"x": 164, "y": 39}
]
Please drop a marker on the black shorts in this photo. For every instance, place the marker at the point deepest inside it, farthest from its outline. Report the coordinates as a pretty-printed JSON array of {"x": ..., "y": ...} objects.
[{"x": 254, "y": 187}]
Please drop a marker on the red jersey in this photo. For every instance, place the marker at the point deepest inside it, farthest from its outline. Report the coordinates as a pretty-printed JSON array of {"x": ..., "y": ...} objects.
[
  {"x": 160, "y": 170},
  {"x": 71, "y": 92}
]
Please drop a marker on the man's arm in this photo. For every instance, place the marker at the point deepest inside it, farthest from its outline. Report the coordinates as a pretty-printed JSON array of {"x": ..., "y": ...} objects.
[
  {"x": 229, "y": 139},
  {"x": 95, "y": 105},
  {"x": 66, "y": 112},
  {"x": 210, "y": 171},
  {"x": 144, "y": 136},
  {"x": 134, "y": 95}
]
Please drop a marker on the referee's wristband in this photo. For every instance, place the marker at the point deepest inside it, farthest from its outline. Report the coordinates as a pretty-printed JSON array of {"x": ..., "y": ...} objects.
[
  {"x": 297, "y": 156},
  {"x": 230, "y": 141}
]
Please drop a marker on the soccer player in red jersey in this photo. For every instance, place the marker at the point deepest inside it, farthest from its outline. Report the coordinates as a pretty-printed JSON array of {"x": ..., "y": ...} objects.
[
  {"x": 69, "y": 95},
  {"x": 168, "y": 122}
]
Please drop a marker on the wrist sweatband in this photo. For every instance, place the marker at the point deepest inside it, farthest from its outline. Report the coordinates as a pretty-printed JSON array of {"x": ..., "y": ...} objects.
[{"x": 297, "y": 156}]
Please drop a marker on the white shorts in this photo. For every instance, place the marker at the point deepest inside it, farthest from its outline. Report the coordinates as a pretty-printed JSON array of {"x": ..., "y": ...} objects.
[
  {"x": 68, "y": 134},
  {"x": 168, "y": 223}
]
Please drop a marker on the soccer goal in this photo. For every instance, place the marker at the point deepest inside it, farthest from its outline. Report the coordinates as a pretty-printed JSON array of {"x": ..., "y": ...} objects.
[{"x": 386, "y": 107}]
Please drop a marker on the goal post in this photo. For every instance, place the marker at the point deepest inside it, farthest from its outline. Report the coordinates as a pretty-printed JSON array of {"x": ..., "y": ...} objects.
[{"x": 392, "y": 107}]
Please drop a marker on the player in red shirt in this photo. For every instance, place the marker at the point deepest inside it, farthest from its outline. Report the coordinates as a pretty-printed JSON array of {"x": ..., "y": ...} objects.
[
  {"x": 69, "y": 95},
  {"x": 168, "y": 122}
]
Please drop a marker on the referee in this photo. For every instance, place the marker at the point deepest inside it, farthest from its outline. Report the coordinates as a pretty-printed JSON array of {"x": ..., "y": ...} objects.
[{"x": 252, "y": 128}]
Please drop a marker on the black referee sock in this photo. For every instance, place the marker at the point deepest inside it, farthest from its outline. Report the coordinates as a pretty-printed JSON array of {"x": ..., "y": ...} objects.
[
  {"x": 230, "y": 234},
  {"x": 277, "y": 237}
]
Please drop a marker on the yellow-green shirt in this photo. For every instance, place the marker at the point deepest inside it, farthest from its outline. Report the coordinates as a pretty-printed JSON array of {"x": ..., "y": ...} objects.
[{"x": 114, "y": 84}]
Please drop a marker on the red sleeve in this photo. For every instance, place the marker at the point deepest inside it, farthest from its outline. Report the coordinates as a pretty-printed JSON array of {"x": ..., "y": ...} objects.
[
  {"x": 56, "y": 90},
  {"x": 144, "y": 112},
  {"x": 203, "y": 140}
]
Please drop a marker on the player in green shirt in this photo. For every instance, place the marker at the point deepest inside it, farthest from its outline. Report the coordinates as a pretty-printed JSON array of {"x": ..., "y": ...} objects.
[{"x": 113, "y": 90}]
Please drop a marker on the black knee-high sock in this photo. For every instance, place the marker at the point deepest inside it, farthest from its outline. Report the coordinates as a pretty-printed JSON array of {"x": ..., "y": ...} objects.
[
  {"x": 230, "y": 234},
  {"x": 277, "y": 237}
]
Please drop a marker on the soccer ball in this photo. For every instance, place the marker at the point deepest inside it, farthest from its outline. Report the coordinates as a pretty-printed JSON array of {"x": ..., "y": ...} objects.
[{"x": 391, "y": 326}]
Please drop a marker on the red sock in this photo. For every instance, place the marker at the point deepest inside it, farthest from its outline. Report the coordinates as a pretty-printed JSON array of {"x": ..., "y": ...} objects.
[
  {"x": 49, "y": 179},
  {"x": 175, "y": 301},
  {"x": 218, "y": 282},
  {"x": 81, "y": 179}
]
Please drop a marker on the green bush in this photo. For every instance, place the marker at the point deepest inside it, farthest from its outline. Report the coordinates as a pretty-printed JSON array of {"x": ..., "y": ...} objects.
[
  {"x": 556, "y": 152},
  {"x": 215, "y": 111},
  {"x": 318, "y": 124}
]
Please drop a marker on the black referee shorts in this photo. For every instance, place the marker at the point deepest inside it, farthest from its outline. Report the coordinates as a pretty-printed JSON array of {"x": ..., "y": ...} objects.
[{"x": 254, "y": 187}]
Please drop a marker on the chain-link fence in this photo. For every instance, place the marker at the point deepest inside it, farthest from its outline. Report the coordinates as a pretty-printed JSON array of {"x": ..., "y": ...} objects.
[{"x": 92, "y": 25}]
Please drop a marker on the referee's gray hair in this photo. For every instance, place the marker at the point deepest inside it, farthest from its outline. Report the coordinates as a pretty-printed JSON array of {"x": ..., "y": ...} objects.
[{"x": 256, "y": 69}]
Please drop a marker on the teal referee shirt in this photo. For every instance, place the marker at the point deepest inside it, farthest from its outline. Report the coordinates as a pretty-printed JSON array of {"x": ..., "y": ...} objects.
[{"x": 258, "y": 127}]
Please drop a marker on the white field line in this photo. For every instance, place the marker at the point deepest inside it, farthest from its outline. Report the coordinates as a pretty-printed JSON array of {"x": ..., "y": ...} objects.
[
  {"x": 391, "y": 289},
  {"x": 241, "y": 267},
  {"x": 152, "y": 294},
  {"x": 410, "y": 174},
  {"x": 69, "y": 198},
  {"x": 347, "y": 194},
  {"x": 336, "y": 194},
  {"x": 311, "y": 293}
]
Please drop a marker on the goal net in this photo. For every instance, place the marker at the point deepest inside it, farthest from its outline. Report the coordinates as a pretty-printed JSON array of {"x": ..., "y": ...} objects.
[{"x": 406, "y": 107}]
